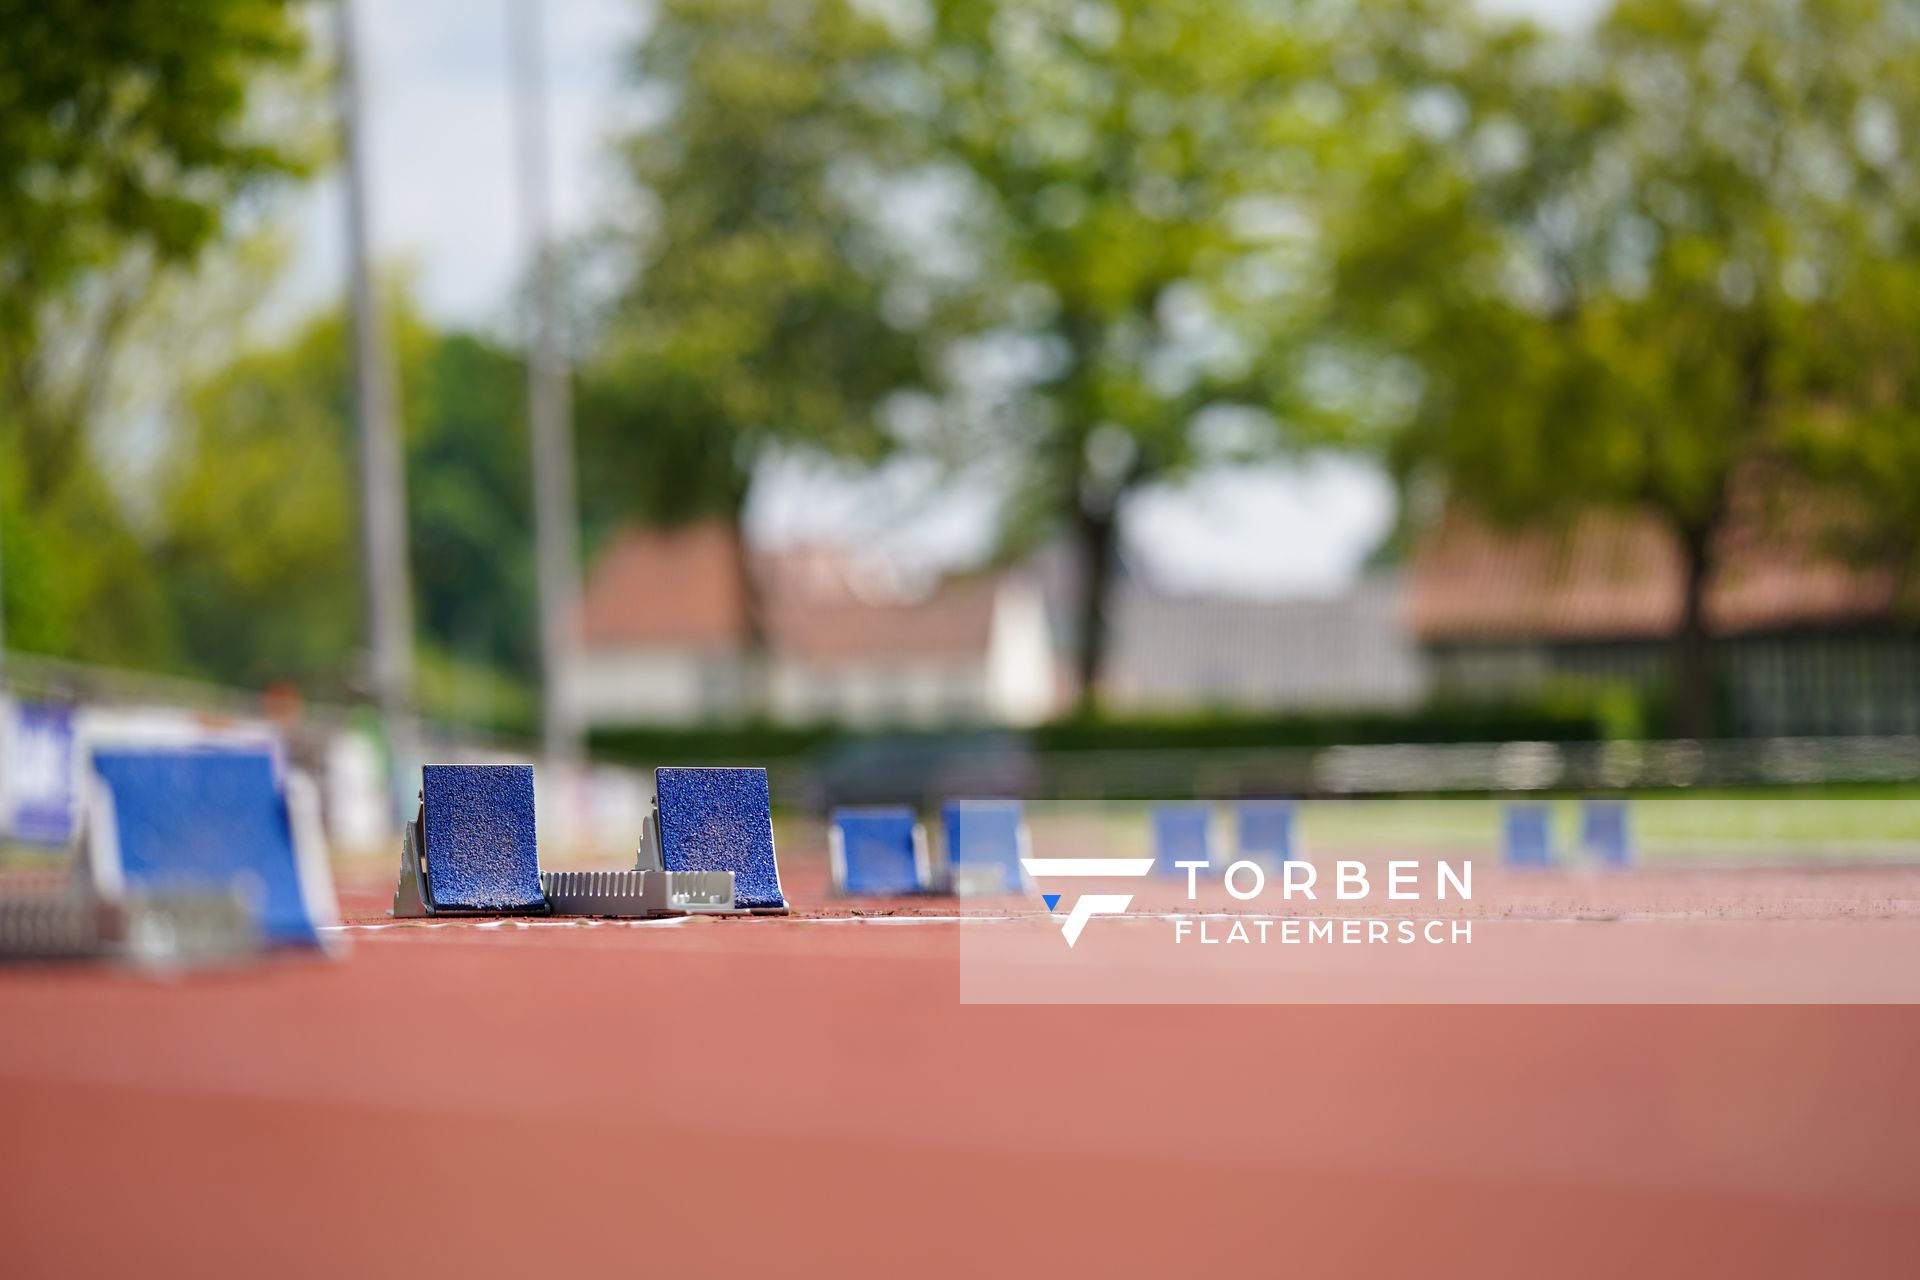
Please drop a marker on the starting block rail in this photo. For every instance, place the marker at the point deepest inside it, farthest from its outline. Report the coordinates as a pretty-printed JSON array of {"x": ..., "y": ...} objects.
[{"x": 638, "y": 894}]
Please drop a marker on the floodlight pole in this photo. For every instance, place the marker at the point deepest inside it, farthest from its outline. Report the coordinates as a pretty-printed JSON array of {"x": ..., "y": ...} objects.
[
  {"x": 383, "y": 515},
  {"x": 549, "y": 403}
]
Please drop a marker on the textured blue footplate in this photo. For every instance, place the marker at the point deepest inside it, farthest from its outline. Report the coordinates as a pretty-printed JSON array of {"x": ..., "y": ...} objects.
[
  {"x": 721, "y": 820},
  {"x": 1266, "y": 828},
  {"x": 1180, "y": 834},
  {"x": 878, "y": 851},
  {"x": 204, "y": 818},
  {"x": 986, "y": 833},
  {"x": 479, "y": 835}
]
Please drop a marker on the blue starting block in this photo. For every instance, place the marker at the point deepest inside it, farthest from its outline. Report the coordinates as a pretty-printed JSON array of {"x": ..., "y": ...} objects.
[
  {"x": 1603, "y": 831},
  {"x": 1266, "y": 829},
  {"x": 471, "y": 847},
  {"x": 1181, "y": 833},
  {"x": 880, "y": 852},
  {"x": 986, "y": 839},
  {"x": 1527, "y": 834},
  {"x": 716, "y": 820},
  {"x": 200, "y": 824}
]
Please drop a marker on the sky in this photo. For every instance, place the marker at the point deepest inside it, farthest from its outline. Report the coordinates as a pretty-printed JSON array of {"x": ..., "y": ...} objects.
[{"x": 435, "y": 85}]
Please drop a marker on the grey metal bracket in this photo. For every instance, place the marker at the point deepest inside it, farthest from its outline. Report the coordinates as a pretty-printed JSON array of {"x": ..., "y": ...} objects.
[
  {"x": 639, "y": 894},
  {"x": 412, "y": 900}
]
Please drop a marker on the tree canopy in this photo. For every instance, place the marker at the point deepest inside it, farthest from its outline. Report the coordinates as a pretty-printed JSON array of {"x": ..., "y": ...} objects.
[
  {"x": 1094, "y": 245},
  {"x": 1599, "y": 262},
  {"x": 748, "y": 304}
]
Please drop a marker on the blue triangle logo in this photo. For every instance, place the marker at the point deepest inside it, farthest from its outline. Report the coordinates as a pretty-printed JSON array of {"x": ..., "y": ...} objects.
[{"x": 1051, "y": 899}]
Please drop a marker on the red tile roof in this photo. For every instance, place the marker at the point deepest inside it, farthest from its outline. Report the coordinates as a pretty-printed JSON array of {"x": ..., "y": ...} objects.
[
  {"x": 1611, "y": 574},
  {"x": 954, "y": 623},
  {"x": 684, "y": 588},
  {"x": 667, "y": 587}
]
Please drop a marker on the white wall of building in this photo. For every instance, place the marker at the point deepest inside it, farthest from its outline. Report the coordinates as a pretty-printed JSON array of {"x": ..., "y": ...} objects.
[
  {"x": 1020, "y": 674},
  {"x": 921, "y": 694},
  {"x": 659, "y": 686}
]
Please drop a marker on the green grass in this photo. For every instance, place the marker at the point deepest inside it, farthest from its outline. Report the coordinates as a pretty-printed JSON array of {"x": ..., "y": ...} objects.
[{"x": 1727, "y": 827}]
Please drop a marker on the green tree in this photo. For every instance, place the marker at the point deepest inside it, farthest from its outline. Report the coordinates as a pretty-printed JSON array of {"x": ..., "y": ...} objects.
[
  {"x": 1595, "y": 261},
  {"x": 1129, "y": 258},
  {"x": 1858, "y": 431},
  {"x": 256, "y": 532},
  {"x": 749, "y": 304},
  {"x": 126, "y": 141},
  {"x": 257, "y": 544}
]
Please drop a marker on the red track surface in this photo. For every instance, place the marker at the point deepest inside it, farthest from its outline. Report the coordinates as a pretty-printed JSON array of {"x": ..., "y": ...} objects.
[{"x": 798, "y": 1097}]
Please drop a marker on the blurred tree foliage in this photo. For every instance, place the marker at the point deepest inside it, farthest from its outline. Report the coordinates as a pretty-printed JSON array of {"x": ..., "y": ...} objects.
[
  {"x": 1598, "y": 266},
  {"x": 1135, "y": 248},
  {"x": 1091, "y": 243},
  {"x": 748, "y": 307},
  {"x": 258, "y": 546},
  {"x": 126, "y": 141},
  {"x": 1071, "y": 228}
]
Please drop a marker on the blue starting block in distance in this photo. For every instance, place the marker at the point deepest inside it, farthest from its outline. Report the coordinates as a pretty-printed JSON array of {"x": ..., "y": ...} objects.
[
  {"x": 986, "y": 839},
  {"x": 715, "y": 819},
  {"x": 1527, "y": 833},
  {"x": 1181, "y": 833},
  {"x": 879, "y": 852},
  {"x": 199, "y": 822},
  {"x": 471, "y": 848},
  {"x": 1266, "y": 829},
  {"x": 1603, "y": 831}
]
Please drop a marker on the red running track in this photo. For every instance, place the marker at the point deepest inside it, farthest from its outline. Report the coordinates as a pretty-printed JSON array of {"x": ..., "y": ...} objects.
[{"x": 802, "y": 1097}]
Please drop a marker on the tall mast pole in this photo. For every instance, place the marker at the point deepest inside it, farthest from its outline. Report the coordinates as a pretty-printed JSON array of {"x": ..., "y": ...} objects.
[
  {"x": 549, "y": 401},
  {"x": 383, "y": 515}
]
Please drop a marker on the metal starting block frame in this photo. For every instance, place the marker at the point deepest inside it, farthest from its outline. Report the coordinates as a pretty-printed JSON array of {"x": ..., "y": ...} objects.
[
  {"x": 178, "y": 930},
  {"x": 195, "y": 850},
  {"x": 646, "y": 892}
]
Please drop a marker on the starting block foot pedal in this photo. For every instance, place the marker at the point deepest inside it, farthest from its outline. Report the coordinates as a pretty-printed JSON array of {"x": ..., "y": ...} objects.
[
  {"x": 1181, "y": 833},
  {"x": 471, "y": 849},
  {"x": 878, "y": 852},
  {"x": 1527, "y": 835},
  {"x": 987, "y": 841},
  {"x": 183, "y": 842},
  {"x": 715, "y": 819}
]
